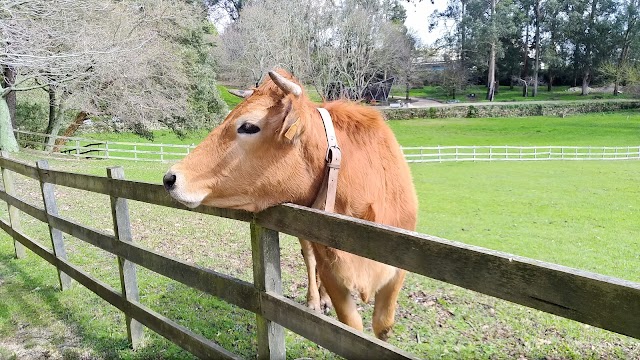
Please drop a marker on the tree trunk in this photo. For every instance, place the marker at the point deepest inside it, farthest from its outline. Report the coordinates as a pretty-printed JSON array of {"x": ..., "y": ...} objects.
[
  {"x": 491, "y": 80},
  {"x": 588, "y": 52},
  {"x": 9, "y": 79},
  {"x": 463, "y": 34},
  {"x": 71, "y": 130},
  {"x": 537, "y": 39},
  {"x": 56, "y": 117},
  {"x": 52, "y": 108},
  {"x": 7, "y": 137},
  {"x": 585, "y": 83},
  {"x": 550, "y": 83},
  {"x": 407, "y": 88},
  {"x": 525, "y": 61}
]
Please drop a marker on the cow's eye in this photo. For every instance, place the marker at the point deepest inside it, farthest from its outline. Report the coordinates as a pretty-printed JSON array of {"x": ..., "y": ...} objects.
[{"x": 248, "y": 128}]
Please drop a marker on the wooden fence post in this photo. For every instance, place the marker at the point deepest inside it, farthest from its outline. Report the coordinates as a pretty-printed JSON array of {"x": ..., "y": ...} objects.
[
  {"x": 14, "y": 213},
  {"x": 50, "y": 206},
  {"x": 265, "y": 248},
  {"x": 128, "y": 280}
]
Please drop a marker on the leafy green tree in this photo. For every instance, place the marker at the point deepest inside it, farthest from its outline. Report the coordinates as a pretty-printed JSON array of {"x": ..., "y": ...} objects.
[
  {"x": 589, "y": 28},
  {"x": 627, "y": 29},
  {"x": 480, "y": 24}
]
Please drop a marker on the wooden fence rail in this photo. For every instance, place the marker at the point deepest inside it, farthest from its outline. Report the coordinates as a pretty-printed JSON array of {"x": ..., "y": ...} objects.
[
  {"x": 87, "y": 148},
  {"x": 594, "y": 299}
]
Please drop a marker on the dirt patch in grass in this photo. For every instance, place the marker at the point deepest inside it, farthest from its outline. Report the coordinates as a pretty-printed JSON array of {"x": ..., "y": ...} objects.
[{"x": 54, "y": 342}]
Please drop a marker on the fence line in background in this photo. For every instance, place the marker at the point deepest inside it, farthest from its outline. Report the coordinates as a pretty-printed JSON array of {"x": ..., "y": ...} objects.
[
  {"x": 100, "y": 149},
  {"x": 594, "y": 299},
  {"x": 518, "y": 153},
  {"x": 88, "y": 148}
]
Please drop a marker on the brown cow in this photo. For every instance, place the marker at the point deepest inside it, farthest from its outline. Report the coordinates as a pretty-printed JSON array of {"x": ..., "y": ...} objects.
[{"x": 271, "y": 149}]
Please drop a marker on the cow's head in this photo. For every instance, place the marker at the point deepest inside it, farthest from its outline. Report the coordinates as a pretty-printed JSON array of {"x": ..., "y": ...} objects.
[{"x": 255, "y": 158}]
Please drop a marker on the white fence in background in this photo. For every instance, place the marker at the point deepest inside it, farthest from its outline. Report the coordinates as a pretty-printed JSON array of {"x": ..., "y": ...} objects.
[
  {"x": 98, "y": 149},
  {"x": 518, "y": 153}
]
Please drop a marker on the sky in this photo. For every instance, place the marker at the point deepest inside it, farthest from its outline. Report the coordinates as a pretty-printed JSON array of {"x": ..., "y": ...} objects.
[{"x": 418, "y": 18}]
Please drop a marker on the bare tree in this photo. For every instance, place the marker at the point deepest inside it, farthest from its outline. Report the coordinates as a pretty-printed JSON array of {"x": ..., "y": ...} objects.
[
  {"x": 33, "y": 33},
  {"x": 122, "y": 59},
  {"x": 454, "y": 78},
  {"x": 323, "y": 43}
]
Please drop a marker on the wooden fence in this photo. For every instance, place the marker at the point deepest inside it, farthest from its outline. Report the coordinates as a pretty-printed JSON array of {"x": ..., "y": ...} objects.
[
  {"x": 594, "y": 299},
  {"x": 87, "y": 148}
]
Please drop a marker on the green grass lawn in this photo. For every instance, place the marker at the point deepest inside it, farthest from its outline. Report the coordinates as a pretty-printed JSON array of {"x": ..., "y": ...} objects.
[
  {"x": 578, "y": 214},
  {"x": 504, "y": 94},
  {"x": 610, "y": 129},
  {"x": 231, "y": 100}
]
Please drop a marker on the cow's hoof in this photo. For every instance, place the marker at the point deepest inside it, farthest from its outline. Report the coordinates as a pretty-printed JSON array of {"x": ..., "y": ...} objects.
[
  {"x": 384, "y": 334},
  {"x": 326, "y": 305},
  {"x": 314, "y": 306}
]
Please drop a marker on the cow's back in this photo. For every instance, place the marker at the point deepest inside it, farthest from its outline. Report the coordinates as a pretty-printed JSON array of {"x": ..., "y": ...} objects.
[{"x": 374, "y": 182}]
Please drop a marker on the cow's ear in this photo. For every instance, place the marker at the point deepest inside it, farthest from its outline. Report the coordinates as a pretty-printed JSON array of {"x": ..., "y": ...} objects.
[{"x": 291, "y": 124}]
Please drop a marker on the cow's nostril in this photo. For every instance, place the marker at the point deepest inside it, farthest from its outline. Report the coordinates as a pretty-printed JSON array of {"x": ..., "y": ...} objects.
[{"x": 169, "y": 180}]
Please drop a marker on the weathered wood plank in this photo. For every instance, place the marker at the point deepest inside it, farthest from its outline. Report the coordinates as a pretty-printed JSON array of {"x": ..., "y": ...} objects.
[
  {"x": 265, "y": 248},
  {"x": 19, "y": 167},
  {"x": 133, "y": 190},
  {"x": 26, "y": 208},
  {"x": 126, "y": 268},
  {"x": 51, "y": 208},
  {"x": 181, "y": 336},
  {"x": 14, "y": 214},
  {"x": 30, "y": 244},
  {"x": 327, "y": 332},
  {"x": 593, "y": 299},
  {"x": 232, "y": 290}
]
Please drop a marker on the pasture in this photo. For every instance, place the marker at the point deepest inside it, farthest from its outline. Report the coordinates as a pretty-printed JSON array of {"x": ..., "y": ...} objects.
[
  {"x": 504, "y": 93},
  {"x": 580, "y": 214}
]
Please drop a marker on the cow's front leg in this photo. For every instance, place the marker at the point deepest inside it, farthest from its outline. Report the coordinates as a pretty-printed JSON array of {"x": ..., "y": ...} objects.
[{"x": 313, "y": 293}]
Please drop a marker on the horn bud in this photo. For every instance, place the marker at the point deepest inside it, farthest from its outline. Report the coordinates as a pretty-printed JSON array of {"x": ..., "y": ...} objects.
[{"x": 288, "y": 86}]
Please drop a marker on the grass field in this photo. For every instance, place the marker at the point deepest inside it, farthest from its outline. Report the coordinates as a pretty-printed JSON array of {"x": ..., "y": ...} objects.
[
  {"x": 578, "y": 214},
  {"x": 503, "y": 94},
  {"x": 610, "y": 129}
]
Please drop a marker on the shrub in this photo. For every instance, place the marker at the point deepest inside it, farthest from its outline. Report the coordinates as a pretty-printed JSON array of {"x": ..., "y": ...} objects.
[
  {"x": 31, "y": 116},
  {"x": 472, "y": 112}
]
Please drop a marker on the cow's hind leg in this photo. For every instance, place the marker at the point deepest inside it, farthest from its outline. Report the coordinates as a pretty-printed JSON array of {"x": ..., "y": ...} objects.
[
  {"x": 325, "y": 299},
  {"x": 343, "y": 302},
  {"x": 384, "y": 310}
]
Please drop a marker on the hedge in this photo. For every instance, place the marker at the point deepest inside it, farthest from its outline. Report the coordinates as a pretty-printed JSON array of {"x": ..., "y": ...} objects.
[{"x": 511, "y": 110}]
